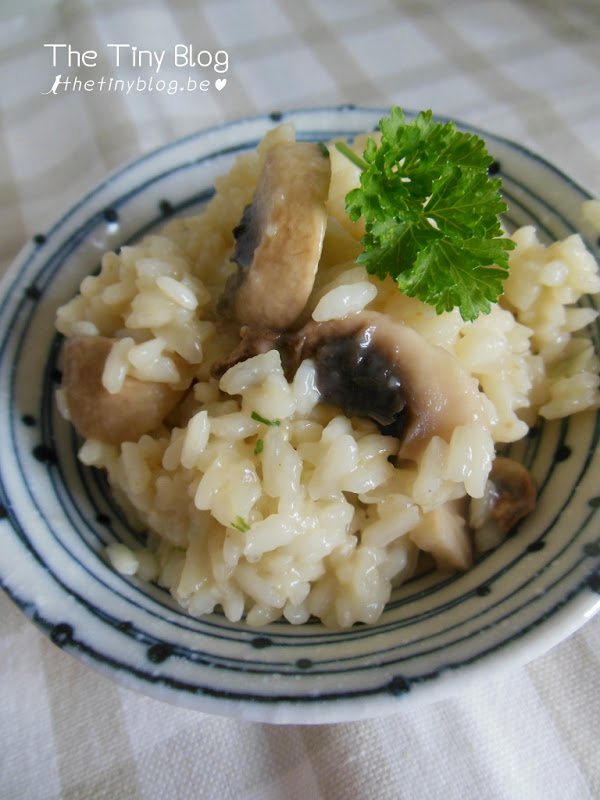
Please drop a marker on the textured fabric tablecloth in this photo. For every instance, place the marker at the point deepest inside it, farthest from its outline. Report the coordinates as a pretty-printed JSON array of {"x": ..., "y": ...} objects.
[{"x": 527, "y": 69}]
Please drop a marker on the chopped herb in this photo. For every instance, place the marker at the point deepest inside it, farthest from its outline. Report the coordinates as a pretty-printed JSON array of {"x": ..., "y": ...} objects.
[
  {"x": 323, "y": 148},
  {"x": 240, "y": 524},
  {"x": 259, "y": 447},
  {"x": 431, "y": 214},
  {"x": 264, "y": 421}
]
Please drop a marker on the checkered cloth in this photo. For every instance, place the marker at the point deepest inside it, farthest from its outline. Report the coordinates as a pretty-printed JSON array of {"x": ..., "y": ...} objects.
[{"x": 527, "y": 70}]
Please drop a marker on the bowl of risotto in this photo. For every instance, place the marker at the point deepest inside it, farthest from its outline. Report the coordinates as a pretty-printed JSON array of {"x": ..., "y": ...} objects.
[{"x": 242, "y": 474}]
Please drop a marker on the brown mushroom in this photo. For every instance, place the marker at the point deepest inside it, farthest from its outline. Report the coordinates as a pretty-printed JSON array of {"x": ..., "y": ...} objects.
[
  {"x": 138, "y": 408},
  {"x": 413, "y": 389},
  {"x": 514, "y": 491},
  {"x": 279, "y": 238}
]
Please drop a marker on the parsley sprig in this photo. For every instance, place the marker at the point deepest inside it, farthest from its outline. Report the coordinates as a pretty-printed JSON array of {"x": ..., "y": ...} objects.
[{"x": 431, "y": 214}]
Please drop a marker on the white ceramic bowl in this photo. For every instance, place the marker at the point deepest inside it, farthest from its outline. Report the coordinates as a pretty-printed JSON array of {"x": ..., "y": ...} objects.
[{"x": 436, "y": 634}]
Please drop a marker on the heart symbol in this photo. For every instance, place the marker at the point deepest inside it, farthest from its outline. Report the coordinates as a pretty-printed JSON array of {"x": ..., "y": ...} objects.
[{"x": 220, "y": 83}]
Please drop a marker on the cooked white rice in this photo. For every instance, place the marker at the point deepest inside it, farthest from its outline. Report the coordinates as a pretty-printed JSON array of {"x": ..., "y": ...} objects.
[{"x": 303, "y": 514}]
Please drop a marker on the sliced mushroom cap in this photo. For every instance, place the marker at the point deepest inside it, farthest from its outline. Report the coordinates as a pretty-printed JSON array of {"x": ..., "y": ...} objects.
[
  {"x": 279, "y": 238},
  {"x": 414, "y": 390},
  {"x": 514, "y": 491},
  {"x": 372, "y": 367},
  {"x": 138, "y": 408},
  {"x": 440, "y": 394}
]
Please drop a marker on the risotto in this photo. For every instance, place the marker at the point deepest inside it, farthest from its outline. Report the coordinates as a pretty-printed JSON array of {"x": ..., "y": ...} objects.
[{"x": 244, "y": 416}]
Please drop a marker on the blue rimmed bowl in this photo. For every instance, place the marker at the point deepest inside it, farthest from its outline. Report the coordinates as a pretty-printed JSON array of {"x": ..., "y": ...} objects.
[{"x": 436, "y": 635}]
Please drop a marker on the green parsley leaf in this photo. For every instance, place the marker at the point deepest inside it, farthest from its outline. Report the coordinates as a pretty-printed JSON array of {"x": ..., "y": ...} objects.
[
  {"x": 240, "y": 524},
  {"x": 255, "y": 415},
  {"x": 431, "y": 214}
]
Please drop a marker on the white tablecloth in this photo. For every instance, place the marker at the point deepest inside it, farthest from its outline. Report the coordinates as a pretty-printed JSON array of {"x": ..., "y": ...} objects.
[{"x": 527, "y": 70}]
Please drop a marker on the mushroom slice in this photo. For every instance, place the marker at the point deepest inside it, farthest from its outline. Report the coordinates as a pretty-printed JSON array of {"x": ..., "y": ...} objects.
[
  {"x": 373, "y": 367},
  {"x": 443, "y": 532},
  {"x": 279, "y": 238},
  {"x": 514, "y": 492},
  {"x": 138, "y": 408}
]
